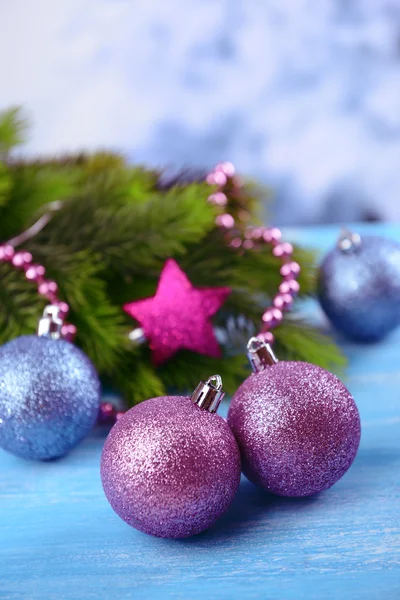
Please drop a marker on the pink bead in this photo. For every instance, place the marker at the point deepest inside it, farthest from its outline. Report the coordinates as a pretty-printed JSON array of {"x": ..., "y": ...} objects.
[
  {"x": 272, "y": 317},
  {"x": 278, "y": 251},
  {"x": 35, "y": 273},
  {"x": 6, "y": 253},
  {"x": 284, "y": 249},
  {"x": 257, "y": 233},
  {"x": 107, "y": 414},
  {"x": 68, "y": 332},
  {"x": 290, "y": 269},
  {"x": 236, "y": 242},
  {"x": 48, "y": 289},
  {"x": 285, "y": 270},
  {"x": 119, "y": 415},
  {"x": 219, "y": 199},
  {"x": 216, "y": 178},
  {"x": 291, "y": 286},
  {"x": 278, "y": 302},
  {"x": 43, "y": 288},
  {"x": 18, "y": 260},
  {"x": 106, "y": 409},
  {"x": 226, "y": 167},
  {"x": 295, "y": 267},
  {"x": 226, "y": 220},
  {"x": 27, "y": 258},
  {"x": 272, "y": 235},
  {"x": 21, "y": 259},
  {"x": 267, "y": 337},
  {"x": 53, "y": 287},
  {"x": 64, "y": 309},
  {"x": 248, "y": 244},
  {"x": 237, "y": 181},
  {"x": 283, "y": 301}
]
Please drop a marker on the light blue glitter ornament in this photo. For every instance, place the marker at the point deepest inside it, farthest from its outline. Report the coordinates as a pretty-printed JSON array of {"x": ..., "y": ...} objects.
[
  {"x": 49, "y": 397},
  {"x": 359, "y": 286}
]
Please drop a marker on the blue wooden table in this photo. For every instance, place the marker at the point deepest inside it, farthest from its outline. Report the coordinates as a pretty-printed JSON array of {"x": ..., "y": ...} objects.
[{"x": 59, "y": 537}]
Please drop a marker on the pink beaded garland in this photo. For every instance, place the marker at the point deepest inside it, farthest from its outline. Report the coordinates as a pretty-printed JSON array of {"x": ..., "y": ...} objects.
[
  {"x": 22, "y": 260},
  {"x": 222, "y": 174}
]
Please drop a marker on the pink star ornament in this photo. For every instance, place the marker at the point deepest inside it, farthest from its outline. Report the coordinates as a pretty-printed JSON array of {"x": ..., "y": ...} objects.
[{"x": 178, "y": 316}]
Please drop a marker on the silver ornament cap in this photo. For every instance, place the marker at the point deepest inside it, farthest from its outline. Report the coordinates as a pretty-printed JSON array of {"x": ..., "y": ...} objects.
[
  {"x": 349, "y": 241},
  {"x": 208, "y": 395},
  {"x": 260, "y": 355},
  {"x": 51, "y": 323}
]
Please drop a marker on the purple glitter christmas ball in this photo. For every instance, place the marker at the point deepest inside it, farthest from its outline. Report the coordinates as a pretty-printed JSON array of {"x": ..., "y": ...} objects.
[
  {"x": 297, "y": 427},
  {"x": 169, "y": 468}
]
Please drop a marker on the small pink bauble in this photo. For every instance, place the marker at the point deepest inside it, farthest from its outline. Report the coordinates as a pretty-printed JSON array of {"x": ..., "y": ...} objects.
[
  {"x": 297, "y": 427},
  {"x": 170, "y": 468}
]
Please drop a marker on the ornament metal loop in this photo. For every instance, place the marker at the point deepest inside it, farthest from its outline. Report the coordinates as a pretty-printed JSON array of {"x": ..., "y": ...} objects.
[
  {"x": 51, "y": 323},
  {"x": 137, "y": 336},
  {"x": 349, "y": 241},
  {"x": 208, "y": 395},
  {"x": 260, "y": 355}
]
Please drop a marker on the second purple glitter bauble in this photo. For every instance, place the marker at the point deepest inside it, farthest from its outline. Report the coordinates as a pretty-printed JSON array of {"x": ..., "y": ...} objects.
[
  {"x": 297, "y": 427},
  {"x": 169, "y": 468}
]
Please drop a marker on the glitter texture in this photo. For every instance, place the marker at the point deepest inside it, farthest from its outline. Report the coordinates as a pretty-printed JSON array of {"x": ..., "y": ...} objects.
[
  {"x": 178, "y": 315},
  {"x": 169, "y": 468},
  {"x": 49, "y": 397},
  {"x": 360, "y": 291},
  {"x": 297, "y": 427}
]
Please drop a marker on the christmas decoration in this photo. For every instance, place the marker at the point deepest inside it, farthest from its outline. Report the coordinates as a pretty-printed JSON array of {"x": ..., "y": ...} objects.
[
  {"x": 359, "y": 286},
  {"x": 49, "y": 397},
  {"x": 255, "y": 238},
  {"x": 170, "y": 467},
  {"x": 109, "y": 229},
  {"x": 49, "y": 390},
  {"x": 178, "y": 315},
  {"x": 297, "y": 426}
]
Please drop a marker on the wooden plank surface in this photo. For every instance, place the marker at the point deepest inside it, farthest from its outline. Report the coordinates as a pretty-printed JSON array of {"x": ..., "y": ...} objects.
[{"x": 60, "y": 539}]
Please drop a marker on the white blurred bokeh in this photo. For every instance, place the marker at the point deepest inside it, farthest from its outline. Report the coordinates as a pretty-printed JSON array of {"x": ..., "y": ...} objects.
[{"x": 302, "y": 94}]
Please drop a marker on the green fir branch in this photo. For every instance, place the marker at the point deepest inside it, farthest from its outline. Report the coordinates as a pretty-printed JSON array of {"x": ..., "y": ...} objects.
[
  {"x": 13, "y": 127},
  {"x": 106, "y": 245}
]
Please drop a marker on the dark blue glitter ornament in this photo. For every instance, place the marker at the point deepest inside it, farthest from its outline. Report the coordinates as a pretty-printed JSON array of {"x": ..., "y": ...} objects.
[
  {"x": 49, "y": 397},
  {"x": 359, "y": 286}
]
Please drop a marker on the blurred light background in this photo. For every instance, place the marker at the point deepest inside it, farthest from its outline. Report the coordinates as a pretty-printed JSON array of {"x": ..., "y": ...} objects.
[{"x": 304, "y": 95}]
